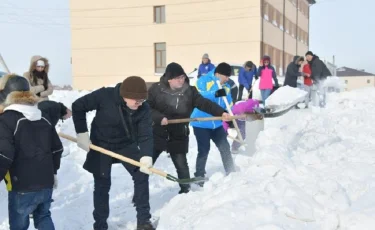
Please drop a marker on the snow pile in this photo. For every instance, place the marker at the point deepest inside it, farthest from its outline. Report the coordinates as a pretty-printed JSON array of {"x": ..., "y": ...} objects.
[
  {"x": 285, "y": 96},
  {"x": 311, "y": 174},
  {"x": 334, "y": 82}
]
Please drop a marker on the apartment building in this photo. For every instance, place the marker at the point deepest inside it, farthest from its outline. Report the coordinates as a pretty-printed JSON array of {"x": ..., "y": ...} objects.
[
  {"x": 355, "y": 79},
  {"x": 114, "y": 39}
]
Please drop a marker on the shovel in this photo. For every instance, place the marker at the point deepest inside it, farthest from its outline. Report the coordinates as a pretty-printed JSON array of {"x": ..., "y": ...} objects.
[
  {"x": 247, "y": 117},
  {"x": 136, "y": 163}
]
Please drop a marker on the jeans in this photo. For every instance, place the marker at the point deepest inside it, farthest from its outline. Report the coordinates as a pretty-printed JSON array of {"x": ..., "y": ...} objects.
[
  {"x": 319, "y": 95},
  {"x": 308, "y": 95},
  {"x": 265, "y": 93},
  {"x": 22, "y": 204},
  {"x": 102, "y": 186},
  {"x": 181, "y": 164},
  {"x": 219, "y": 137}
]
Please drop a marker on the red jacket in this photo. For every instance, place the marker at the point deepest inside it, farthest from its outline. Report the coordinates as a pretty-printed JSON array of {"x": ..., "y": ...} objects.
[{"x": 307, "y": 80}]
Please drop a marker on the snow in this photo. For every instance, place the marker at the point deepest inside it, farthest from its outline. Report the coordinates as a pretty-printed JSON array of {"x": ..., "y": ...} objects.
[
  {"x": 310, "y": 171},
  {"x": 285, "y": 96}
]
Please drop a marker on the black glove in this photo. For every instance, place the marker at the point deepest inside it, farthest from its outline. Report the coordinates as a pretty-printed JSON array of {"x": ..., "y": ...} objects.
[
  {"x": 38, "y": 94},
  {"x": 220, "y": 93},
  {"x": 231, "y": 125}
]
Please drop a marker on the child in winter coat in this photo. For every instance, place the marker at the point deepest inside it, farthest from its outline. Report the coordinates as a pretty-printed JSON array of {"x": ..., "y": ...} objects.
[
  {"x": 266, "y": 72},
  {"x": 239, "y": 108},
  {"x": 307, "y": 82}
]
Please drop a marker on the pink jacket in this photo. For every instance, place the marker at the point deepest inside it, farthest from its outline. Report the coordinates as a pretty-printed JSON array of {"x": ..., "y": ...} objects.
[
  {"x": 242, "y": 107},
  {"x": 266, "y": 78}
]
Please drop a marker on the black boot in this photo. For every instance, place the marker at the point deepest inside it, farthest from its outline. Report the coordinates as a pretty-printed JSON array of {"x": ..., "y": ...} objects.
[
  {"x": 145, "y": 226},
  {"x": 184, "y": 189}
]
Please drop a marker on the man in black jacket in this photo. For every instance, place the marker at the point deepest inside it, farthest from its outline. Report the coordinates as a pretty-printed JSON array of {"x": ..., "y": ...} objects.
[
  {"x": 122, "y": 124},
  {"x": 174, "y": 98},
  {"x": 319, "y": 73},
  {"x": 30, "y": 152}
]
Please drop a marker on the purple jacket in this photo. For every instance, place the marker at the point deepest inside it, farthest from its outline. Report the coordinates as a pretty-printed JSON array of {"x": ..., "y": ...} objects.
[{"x": 242, "y": 107}]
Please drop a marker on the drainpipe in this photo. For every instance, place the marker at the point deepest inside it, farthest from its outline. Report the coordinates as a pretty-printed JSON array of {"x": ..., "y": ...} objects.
[
  {"x": 283, "y": 60},
  {"x": 308, "y": 30},
  {"x": 261, "y": 29},
  {"x": 297, "y": 5}
]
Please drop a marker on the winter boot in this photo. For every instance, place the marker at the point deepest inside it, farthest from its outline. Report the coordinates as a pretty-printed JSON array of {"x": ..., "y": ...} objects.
[
  {"x": 145, "y": 226},
  {"x": 184, "y": 189}
]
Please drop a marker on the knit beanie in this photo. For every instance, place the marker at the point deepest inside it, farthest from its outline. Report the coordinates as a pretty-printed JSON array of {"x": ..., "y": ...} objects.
[
  {"x": 174, "y": 70},
  {"x": 224, "y": 69},
  {"x": 133, "y": 87},
  {"x": 205, "y": 56},
  {"x": 309, "y": 53},
  {"x": 13, "y": 83}
]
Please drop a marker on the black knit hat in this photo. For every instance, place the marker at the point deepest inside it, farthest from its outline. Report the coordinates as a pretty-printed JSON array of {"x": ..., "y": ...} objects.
[
  {"x": 133, "y": 87},
  {"x": 174, "y": 70},
  {"x": 14, "y": 83},
  {"x": 309, "y": 53},
  {"x": 224, "y": 69}
]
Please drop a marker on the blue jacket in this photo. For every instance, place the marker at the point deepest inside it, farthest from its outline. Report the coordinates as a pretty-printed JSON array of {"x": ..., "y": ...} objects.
[
  {"x": 207, "y": 87},
  {"x": 245, "y": 78},
  {"x": 205, "y": 68}
]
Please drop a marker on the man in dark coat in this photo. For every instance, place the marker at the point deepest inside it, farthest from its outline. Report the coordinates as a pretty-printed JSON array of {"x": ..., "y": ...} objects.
[
  {"x": 30, "y": 152},
  {"x": 319, "y": 73},
  {"x": 292, "y": 72},
  {"x": 122, "y": 124},
  {"x": 174, "y": 98}
]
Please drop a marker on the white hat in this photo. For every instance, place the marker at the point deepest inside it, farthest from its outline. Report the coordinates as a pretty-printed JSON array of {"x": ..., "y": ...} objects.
[{"x": 40, "y": 63}]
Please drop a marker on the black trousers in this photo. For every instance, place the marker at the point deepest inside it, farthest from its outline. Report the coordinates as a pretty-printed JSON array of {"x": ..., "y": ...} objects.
[
  {"x": 102, "y": 186},
  {"x": 181, "y": 164},
  {"x": 240, "y": 92}
]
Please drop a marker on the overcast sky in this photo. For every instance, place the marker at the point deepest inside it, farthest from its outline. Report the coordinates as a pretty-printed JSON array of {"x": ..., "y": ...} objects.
[{"x": 337, "y": 27}]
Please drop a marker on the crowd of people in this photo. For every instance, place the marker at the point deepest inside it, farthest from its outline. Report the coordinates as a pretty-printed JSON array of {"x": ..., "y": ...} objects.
[{"x": 130, "y": 120}]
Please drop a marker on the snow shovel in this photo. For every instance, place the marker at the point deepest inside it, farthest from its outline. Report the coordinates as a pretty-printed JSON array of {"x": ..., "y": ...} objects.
[
  {"x": 231, "y": 113},
  {"x": 136, "y": 163}
]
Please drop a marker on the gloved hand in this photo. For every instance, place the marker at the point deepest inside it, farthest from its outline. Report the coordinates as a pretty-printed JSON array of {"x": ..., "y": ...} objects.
[
  {"x": 146, "y": 165},
  {"x": 83, "y": 141},
  {"x": 230, "y": 123},
  {"x": 220, "y": 93},
  {"x": 55, "y": 183}
]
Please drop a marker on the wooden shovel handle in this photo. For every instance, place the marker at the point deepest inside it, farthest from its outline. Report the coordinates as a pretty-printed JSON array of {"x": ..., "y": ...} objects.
[
  {"x": 114, "y": 155},
  {"x": 186, "y": 120}
]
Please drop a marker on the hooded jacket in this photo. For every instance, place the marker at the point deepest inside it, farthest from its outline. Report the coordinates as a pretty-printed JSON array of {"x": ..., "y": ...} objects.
[
  {"x": 30, "y": 149},
  {"x": 292, "y": 72},
  {"x": 266, "y": 74},
  {"x": 207, "y": 86},
  {"x": 38, "y": 86},
  {"x": 175, "y": 104}
]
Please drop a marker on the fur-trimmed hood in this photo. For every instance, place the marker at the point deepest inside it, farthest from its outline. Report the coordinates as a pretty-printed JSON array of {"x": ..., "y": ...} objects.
[
  {"x": 36, "y": 58},
  {"x": 19, "y": 98}
]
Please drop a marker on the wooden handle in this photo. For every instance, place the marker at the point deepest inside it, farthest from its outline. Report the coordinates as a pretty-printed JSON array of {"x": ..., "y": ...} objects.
[
  {"x": 186, "y": 120},
  {"x": 114, "y": 155}
]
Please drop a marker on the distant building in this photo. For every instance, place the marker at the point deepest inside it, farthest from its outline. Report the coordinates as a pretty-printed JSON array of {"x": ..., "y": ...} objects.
[
  {"x": 355, "y": 79},
  {"x": 114, "y": 39}
]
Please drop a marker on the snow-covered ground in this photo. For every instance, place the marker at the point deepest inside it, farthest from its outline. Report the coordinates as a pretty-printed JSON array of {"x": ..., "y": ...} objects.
[{"x": 312, "y": 170}]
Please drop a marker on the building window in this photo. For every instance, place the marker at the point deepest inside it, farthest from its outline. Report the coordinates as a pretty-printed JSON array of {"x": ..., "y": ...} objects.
[
  {"x": 160, "y": 57},
  {"x": 265, "y": 11},
  {"x": 368, "y": 81},
  {"x": 159, "y": 14}
]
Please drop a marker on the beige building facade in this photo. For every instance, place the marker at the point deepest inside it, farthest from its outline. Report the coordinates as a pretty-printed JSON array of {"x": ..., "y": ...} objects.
[
  {"x": 115, "y": 39},
  {"x": 355, "y": 79}
]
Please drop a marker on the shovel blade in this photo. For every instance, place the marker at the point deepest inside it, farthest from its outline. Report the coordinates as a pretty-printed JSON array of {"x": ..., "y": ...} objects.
[{"x": 192, "y": 180}]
